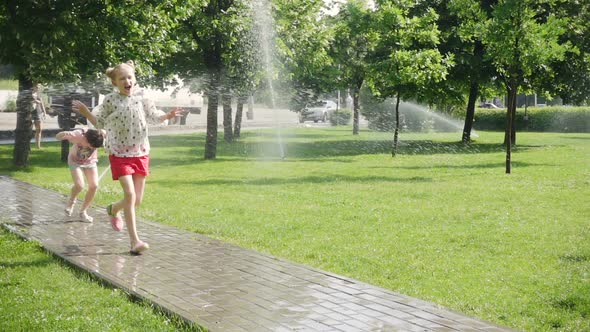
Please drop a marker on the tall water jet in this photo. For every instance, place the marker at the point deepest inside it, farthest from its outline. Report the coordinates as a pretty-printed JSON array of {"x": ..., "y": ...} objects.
[{"x": 264, "y": 28}]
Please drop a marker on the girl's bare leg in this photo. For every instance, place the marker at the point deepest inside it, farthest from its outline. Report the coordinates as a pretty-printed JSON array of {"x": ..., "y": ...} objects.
[
  {"x": 92, "y": 178},
  {"x": 127, "y": 204},
  {"x": 38, "y": 129},
  {"x": 77, "y": 187},
  {"x": 139, "y": 182}
]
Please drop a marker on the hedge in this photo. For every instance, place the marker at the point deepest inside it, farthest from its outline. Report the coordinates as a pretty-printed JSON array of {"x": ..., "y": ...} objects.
[
  {"x": 341, "y": 117},
  {"x": 554, "y": 118}
]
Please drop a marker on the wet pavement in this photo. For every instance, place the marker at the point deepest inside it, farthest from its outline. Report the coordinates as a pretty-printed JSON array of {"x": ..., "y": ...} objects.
[{"x": 217, "y": 285}]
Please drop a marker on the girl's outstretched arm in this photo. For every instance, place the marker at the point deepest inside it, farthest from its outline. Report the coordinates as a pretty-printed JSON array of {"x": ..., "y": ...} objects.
[
  {"x": 73, "y": 136},
  {"x": 80, "y": 108},
  {"x": 61, "y": 135},
  {"x": 175, "y": 112}
]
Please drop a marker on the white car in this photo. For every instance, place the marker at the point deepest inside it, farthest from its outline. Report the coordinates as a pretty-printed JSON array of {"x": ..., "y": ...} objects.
[
  {"x": 488, "y": 105},
  {"x": 317, "y": 111}
]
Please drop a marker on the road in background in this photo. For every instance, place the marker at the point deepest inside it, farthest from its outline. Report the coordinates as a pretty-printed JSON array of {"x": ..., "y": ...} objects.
[{"x": 262, "y": 118}]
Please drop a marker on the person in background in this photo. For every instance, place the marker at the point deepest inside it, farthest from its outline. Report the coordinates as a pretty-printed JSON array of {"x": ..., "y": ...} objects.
[{"x": 39, "y": 114}]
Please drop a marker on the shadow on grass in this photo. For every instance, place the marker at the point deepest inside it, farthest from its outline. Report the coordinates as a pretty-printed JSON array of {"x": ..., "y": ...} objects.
[
  {"x": 189, "y": 149},
  {"x": 575, "y": 258},
  {"x": 297, "y": 180},
  {"x": 35, "y": 263},
  {"x": 578, "y": 301},
  {"x": 48, "y": 157},
  {"x": 410, "y": 147},
  {"x": 576, "y": 137},
  {"x": 474, "y": 166}
]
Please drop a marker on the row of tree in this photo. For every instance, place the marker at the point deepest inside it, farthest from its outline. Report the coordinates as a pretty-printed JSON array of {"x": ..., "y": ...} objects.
[
  {"x": 448, "y": 52},
  {"x": 439, "y": 52}
]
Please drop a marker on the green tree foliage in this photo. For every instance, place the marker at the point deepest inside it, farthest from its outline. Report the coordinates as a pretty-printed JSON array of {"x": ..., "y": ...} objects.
[
  {"x": 44, "y": 41},
  {"x": 406, "y": 59},
  {"x": 462, "y": 24},
  {"x": 570, "y": 77},
  {"x": 351, "y": 46},
  {"x": 215, "y": 54},
  {"x": 66, "y": 41},
  {"x": 523, "y": 38},
  {"x": 302, "y": 41}
]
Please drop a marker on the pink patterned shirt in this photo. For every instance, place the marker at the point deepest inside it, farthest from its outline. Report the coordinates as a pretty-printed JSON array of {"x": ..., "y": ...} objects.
[{"x": 82, "y": 153}]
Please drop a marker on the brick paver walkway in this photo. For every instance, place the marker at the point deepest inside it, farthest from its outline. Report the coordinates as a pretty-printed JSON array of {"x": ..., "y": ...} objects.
[{"x": 217, "y": 285}]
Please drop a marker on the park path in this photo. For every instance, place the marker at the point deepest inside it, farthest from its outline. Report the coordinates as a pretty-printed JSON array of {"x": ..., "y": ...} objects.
[{"x": 214, "y": 284}]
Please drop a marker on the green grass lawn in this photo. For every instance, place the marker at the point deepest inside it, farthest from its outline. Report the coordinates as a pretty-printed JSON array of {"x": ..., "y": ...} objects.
[
  {"x": 441, "y": 221},
  {"x": 8, "y": 85}
]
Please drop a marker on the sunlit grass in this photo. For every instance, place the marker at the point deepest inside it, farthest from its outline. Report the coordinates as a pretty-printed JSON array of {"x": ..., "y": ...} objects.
[
  {"x": 8, "y": 84},
  {"x": 441, "y": 221}
]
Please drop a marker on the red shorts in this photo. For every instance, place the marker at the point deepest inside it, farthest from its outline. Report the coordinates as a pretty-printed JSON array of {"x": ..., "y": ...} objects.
[{"x": 129, "y": 165}]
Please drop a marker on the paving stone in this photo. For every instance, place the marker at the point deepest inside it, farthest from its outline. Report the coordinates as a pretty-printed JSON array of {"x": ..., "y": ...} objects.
[{"x": 214, "y": 284}]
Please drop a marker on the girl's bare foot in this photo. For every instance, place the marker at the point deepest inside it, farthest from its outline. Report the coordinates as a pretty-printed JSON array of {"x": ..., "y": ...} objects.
[
  {"x": 70, "y": 207},
  {"x": 85, "y": 217}
]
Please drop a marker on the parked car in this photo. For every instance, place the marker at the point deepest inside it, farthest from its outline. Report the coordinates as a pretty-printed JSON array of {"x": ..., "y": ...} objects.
[
  {"x": 488, "y": 105},
  {"x": 60, "y": 104},
  {"x": 317, "y": 111}
]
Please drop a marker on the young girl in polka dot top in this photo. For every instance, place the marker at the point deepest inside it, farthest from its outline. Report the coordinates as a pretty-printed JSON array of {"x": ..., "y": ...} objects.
[{"x": 125, "y": 115}]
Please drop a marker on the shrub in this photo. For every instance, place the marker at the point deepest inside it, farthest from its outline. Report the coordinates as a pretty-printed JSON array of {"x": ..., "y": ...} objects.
[
  {"x": 341, "y": 117},
  {"x": 10, "y": 105},
  {"x": 555, "y": 119}
]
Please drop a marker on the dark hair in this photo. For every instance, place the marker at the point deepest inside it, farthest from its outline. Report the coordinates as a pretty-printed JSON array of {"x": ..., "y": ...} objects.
[{"x": 94, "y": 138}]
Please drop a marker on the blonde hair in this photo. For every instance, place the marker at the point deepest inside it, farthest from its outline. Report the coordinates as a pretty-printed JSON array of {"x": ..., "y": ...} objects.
[{"x": 112, "y": 71}]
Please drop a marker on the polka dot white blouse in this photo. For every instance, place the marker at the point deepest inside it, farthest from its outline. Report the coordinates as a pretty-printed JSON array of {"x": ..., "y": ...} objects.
[{"x": 126, "y": 119}]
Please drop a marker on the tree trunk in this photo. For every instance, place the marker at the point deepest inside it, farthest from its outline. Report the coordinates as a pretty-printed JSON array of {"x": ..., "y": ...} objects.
[
  {"x": 511, "y": 106},
  {"x": 513, "y": 128},
  {"x": 23, "y": 132},
  {"x": 478, "y": 54},
  {"x": 396, "y": 131},
  {"x": 68, "y": 125},
  {"x": 238, "y": 121},
  {"x": 212, "y": 60},
  {"x": 466, "y": 138},
  {"x": 228, "y": 134},
  {"x": 510, "y": 111},
  {"x": 211, "y": 140},
  {"x": 356, "y": 110}
]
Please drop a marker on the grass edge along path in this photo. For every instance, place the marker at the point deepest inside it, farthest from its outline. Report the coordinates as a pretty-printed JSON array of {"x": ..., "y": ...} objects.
[{"x": 42, "y": 292}]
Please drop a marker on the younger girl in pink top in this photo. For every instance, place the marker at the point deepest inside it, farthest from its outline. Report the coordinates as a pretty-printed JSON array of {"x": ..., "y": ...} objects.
[{"x": 82, "y": 161}]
